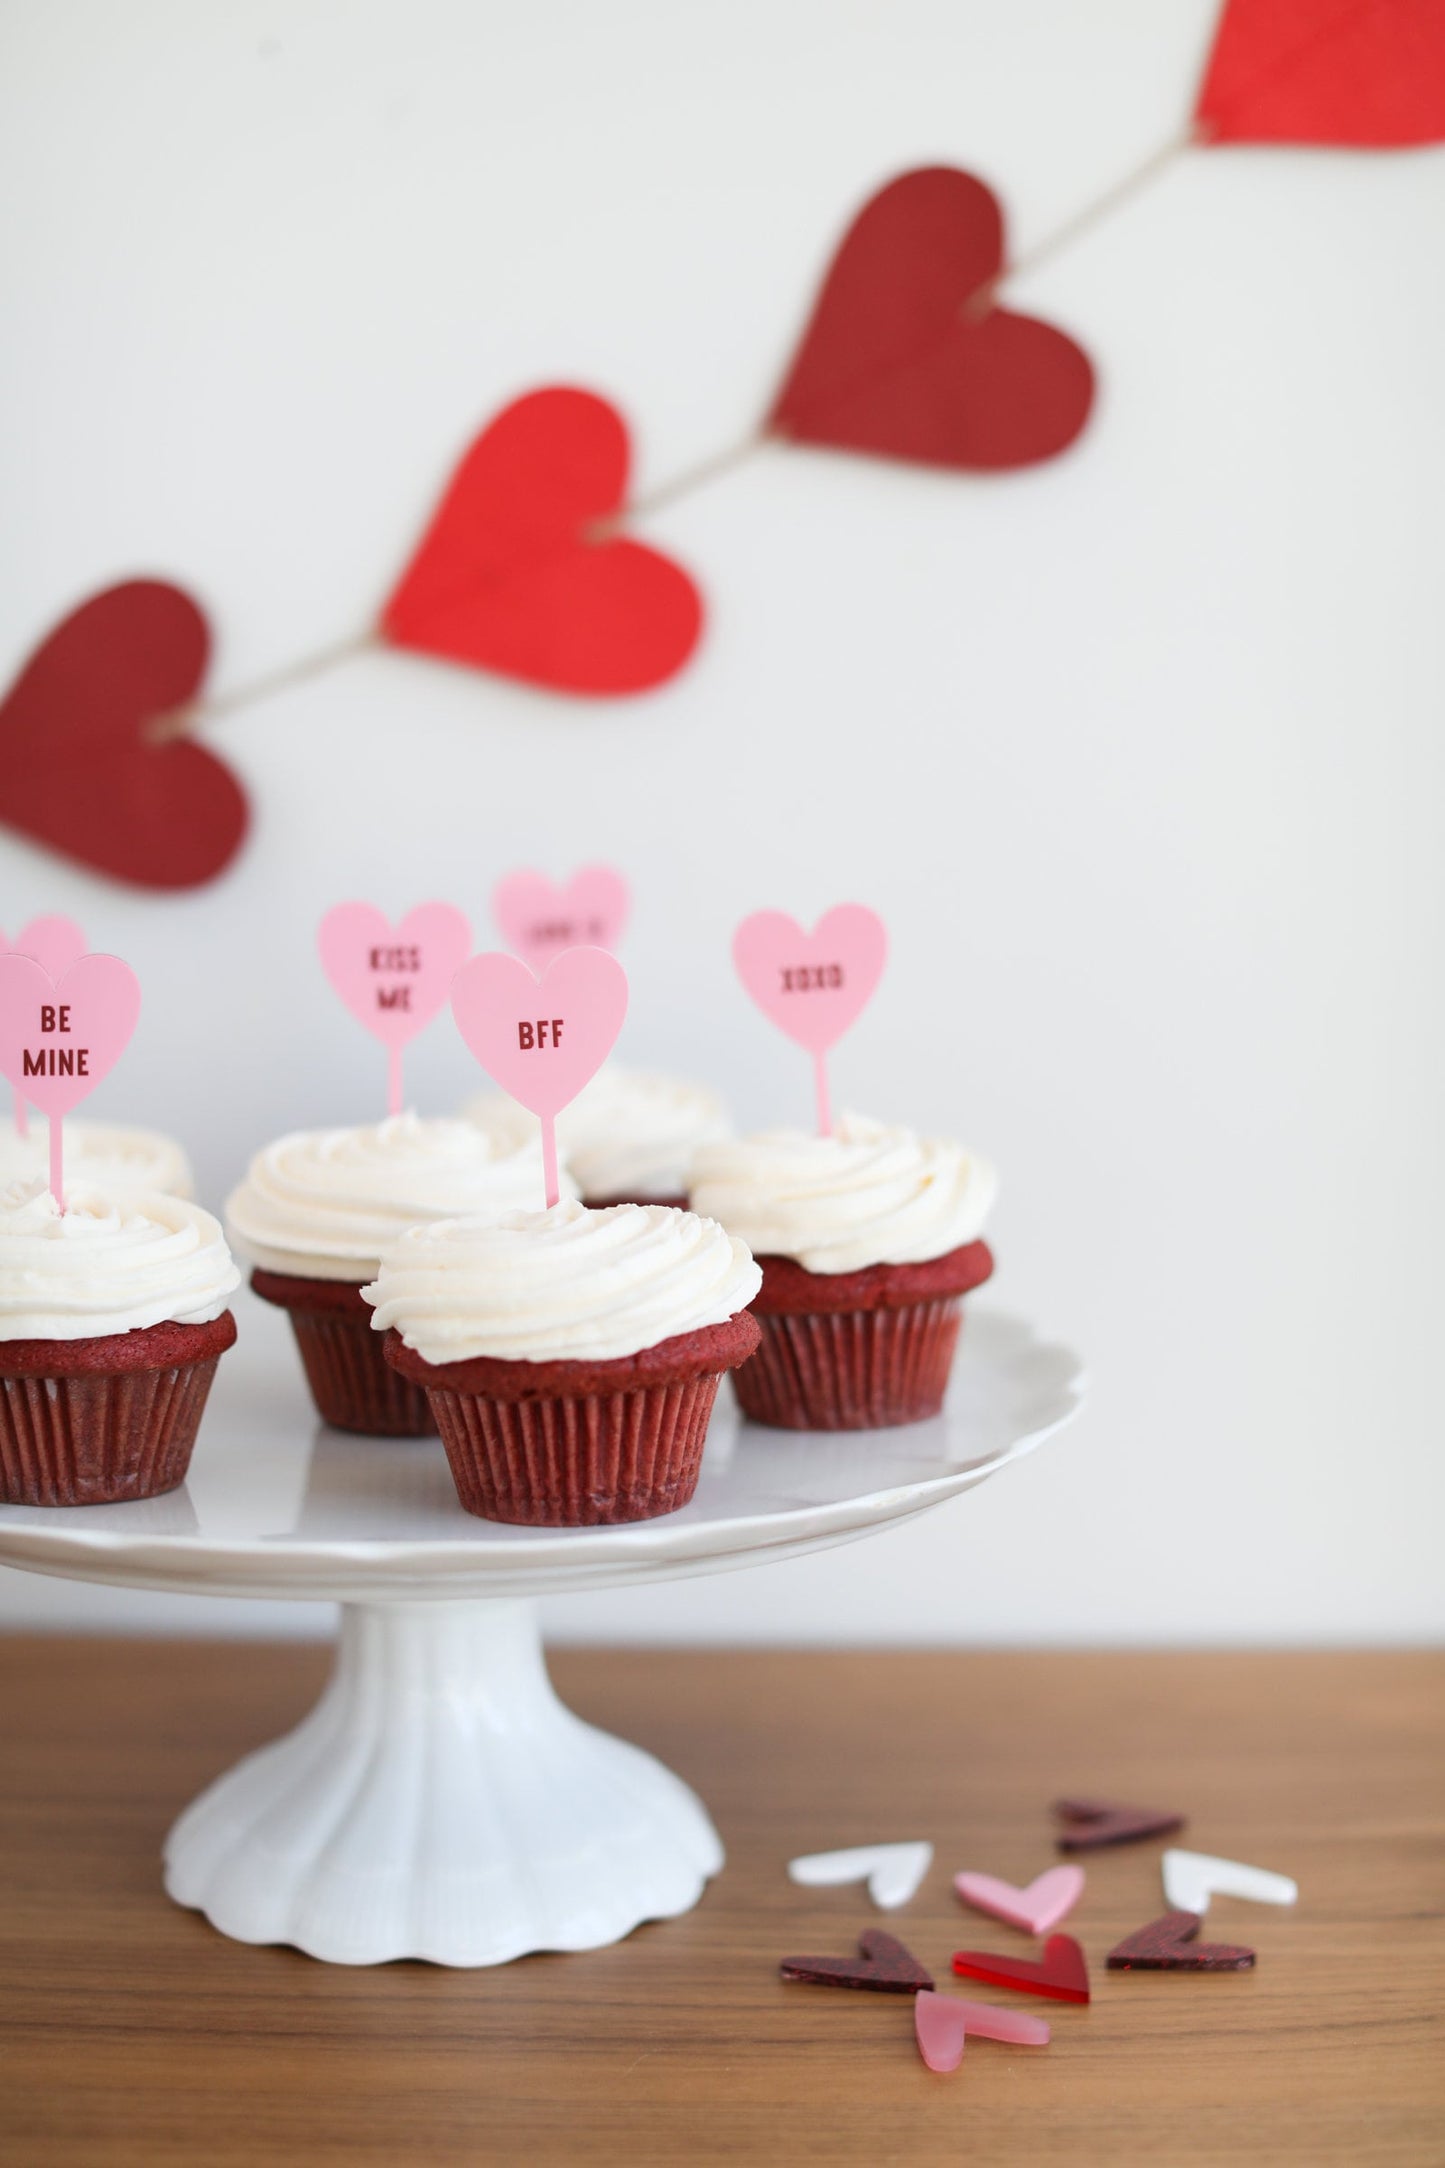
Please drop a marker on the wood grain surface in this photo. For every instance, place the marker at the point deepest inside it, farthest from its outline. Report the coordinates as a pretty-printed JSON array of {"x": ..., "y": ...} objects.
[{"x": 131, "y": 2033}]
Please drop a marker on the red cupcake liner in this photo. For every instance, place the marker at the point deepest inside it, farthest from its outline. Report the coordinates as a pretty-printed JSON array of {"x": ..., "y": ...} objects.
[
  {"x": 74, "y": 1438},
  {"x": 851, "y": 1369},
  {"x": 577, "y": 1463},
  {"x": 580, "y": 1444},
  {"x": 352, "y": 1384}
]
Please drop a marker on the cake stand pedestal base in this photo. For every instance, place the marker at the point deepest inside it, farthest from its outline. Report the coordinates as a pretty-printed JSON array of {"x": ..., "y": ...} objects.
[{"x": 439, "y": 1802}]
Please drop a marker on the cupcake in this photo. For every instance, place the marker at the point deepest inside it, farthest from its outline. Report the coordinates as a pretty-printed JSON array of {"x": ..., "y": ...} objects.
[
  {"x": 116, "y": 1161},
  {"x": 112, "y": 1318},
  {"x": 316, "y": 1211},
  {"x": 867, "y": 1240},
  {"x": 571, "y": 1357},
  {"x": 629, "y": 1136}
]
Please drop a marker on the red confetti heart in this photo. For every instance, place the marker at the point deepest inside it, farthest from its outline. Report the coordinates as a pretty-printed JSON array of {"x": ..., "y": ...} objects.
[
  {"x": 1093, "y": 1823},
  {"x": 77, "y": 771},
  {"x": 885, "y": 1965},
  {"x": 896, "y": 362},
  {"x": 1061, "y": 1973},
  {"x": 1168, "y": 1945},
  {"x": 1367, "y": 73},
  {"x": 514, "y": 575}
]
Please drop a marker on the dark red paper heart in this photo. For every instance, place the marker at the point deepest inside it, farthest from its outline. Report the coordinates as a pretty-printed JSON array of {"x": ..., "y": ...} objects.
[
  {"x": 1168, "y": 1945},
  {"x": 1061, "y": 1973},
  {"x": 512, "y": 576},
  {"x": 77, "y": 772},
  {"x": 1090, "y": 1824},
  {"x": 885, "y": 1965},
  {"x": 1367, "y": 73},
  {"x": 894, "y": 362}
]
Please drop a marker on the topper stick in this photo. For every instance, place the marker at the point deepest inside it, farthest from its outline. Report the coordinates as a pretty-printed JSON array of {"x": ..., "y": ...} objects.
[
  {"x": 549, "y": 1159},
  {"x": 393, "y": 979},
  {"x": 395, "y": 1094},
  {"x": 59, "y": 1036},
  {"x": 22, "y": 1119},
  {"x": 57, "y": 1171},
  {"x": 820, "y": 1083}
]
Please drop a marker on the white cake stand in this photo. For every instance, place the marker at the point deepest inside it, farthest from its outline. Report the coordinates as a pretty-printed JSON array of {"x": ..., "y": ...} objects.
[{"x": 439, "y": 1801}]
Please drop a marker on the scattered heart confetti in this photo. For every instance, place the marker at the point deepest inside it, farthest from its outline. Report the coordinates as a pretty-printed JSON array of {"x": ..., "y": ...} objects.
[
  {"x": 78, "y": 772},
  {"x": 1192, "y": 1878},
  {"x": 1061, "y": 1972},
  {"x": 941, "y": 2023},
  {"x": 906, "y": 356},
  {"x": 893, "y": 1871},
  {"x": 1049, "y": 1898},
  {"x": 515, "y": 574},
  {"x": 1169, "y": 1945},
  {"x": 1090, "y": 1824},
  {"x": 539, "y": 918},
  {"x": 1371, "y": 74},
  {"x": 885, "y": 1965}
]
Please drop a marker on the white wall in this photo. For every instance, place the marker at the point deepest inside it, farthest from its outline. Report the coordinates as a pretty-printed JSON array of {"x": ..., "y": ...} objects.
[{"x": 1138, "y": 753}]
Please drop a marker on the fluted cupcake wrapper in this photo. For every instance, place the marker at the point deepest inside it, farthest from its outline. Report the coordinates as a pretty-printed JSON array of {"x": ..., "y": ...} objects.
[
  {"x": 99, "y": 1438},
  {"x": 577, "y": 1461},
  {"x": 353, "y": 1385},
  {"x": 850, "y": 1369}
]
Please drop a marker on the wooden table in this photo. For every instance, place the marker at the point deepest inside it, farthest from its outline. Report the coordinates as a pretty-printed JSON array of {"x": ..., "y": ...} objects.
[{"x": 132, "y": 2033}]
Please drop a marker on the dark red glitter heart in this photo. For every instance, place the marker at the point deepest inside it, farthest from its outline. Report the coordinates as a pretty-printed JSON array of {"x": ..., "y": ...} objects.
[
  {"x": 1093, "y": 1823},
  {"x": 884, "y": 1965},
  {"x": 1168, "y": 1945},
  {"x": 1061, "y": 1973}
]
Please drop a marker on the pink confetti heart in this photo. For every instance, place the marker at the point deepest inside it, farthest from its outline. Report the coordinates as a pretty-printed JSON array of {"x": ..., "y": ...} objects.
[
  {"x": 1049, "y": 1898},
  {"x": 540, "y": 918},
  {"x": 393, "y": 979},
  {"x": 941, "y": 2024},
  {"x": 812, "y": 985},
  {"x": 542, "y": 1039}
]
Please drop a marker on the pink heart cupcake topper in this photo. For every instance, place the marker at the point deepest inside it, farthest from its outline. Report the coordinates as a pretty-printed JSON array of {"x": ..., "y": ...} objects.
[
  {"x": 394, "y": 979},
  {"x": 813, "y": 985},
  {"x": 542, "y": 1038},
  {"x": 55, "y": 943},
  {"x": 540, "y": 918},
  {"x": 58, "y": 1038}
]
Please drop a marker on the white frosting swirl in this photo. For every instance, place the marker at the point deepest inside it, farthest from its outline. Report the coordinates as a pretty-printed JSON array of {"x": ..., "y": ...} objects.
[
  {"x": 103, "y": 1156},
  {"x": 629, "y": 1133},
  {"x": 325, "y": 1203},
  {"x": 106, "y": 1265},
  {"x": 565, "y": 1285},
  {"x": 868, "y": 1195}
]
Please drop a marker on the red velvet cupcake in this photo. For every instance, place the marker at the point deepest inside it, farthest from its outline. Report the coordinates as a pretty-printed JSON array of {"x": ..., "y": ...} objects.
[
  {"x": 571, "y": 1357},
  {"x": 868, "y": 1240},
  {"x": 112, "y": 1321},
  {"x": 313, "y": 1216}
]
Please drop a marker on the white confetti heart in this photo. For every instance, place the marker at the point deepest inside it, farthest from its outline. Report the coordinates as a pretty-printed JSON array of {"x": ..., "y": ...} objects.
[
  {"x": 893, "y": 1871},
  {"x": 1192, "y": 1878}
]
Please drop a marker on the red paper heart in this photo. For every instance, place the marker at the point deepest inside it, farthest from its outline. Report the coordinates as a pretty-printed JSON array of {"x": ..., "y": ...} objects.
[
  {"x": 1090, "y": 1824},
  {"x": 76, "y": 770},
  {"x": 506, "y": 577},
  {"x": 1061, "y": 1973},
  {"x": 1168, "y": 1945},
  {"x": 885, "y": 1965},
  {"x": 1369, "y": 73},
  {"x": 893, "y": 362}
]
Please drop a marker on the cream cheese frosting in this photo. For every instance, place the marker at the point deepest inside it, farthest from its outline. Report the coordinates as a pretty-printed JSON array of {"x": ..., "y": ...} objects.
[
  {"x": 569, "y": 1284},
  {"x": 325, "y": 1203},
  {"x": 628, "y": 1133},
  {"x": 870, "y": 1194},
  {"x": 107, "y": 1265},
  {"x": 103, "y": 1156}
]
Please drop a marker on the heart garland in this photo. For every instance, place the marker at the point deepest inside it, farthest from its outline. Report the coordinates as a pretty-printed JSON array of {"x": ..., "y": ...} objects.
[{"x": 523, "y": 570}]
